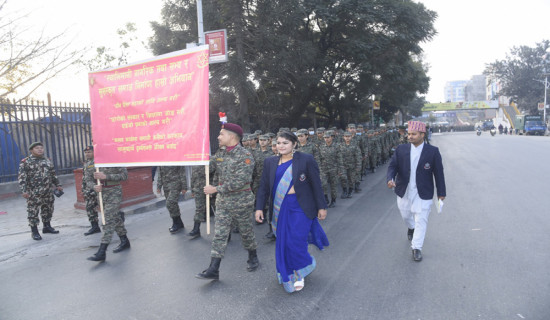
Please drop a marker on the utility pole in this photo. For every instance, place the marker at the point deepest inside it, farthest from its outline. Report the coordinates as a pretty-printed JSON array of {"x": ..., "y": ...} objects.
[{"x": 200, "y": 22}]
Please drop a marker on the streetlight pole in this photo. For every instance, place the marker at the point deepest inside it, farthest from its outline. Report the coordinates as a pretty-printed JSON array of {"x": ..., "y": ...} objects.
[
  {"x": 200, "y": 22},
  {"x": 545, "y": 58}
]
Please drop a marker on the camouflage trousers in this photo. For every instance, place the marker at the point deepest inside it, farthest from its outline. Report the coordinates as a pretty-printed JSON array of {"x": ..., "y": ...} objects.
[
  {"x": 349, "y": 178},
  {"x": 42, "y": 204},
  {"x": 234, "y": 208},
  {"x": 92, "y": 203},
  {"x": 200, "y": 207},
  {"x": 373, "y": 160},
  {"x": 332, "y": 178},
  {"x": 112, "y": 197},
  {"x": 172, "y": 196}
]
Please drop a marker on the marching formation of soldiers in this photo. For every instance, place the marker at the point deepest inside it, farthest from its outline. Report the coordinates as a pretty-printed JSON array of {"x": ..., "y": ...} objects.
[{"x": 344, "y": 158}]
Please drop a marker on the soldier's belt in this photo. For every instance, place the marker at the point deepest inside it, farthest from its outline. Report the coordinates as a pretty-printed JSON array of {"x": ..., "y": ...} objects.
[
  {"x": 248, "y": 188},
  {"x": 110, "y": 184}
]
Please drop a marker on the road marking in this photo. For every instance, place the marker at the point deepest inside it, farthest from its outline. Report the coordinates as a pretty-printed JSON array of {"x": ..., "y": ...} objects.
[{"x": 476, "y": 229}]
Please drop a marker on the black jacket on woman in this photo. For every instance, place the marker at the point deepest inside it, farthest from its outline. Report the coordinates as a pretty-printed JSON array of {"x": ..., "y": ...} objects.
[{"x": 307, "y": 183}]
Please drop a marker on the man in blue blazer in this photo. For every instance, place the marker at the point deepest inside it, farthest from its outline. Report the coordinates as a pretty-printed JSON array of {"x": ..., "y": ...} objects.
[{"x": 415, "y": 191}]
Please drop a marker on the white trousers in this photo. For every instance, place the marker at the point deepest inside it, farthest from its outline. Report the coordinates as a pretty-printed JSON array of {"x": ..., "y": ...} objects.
[{"x": 415, "y": 213}]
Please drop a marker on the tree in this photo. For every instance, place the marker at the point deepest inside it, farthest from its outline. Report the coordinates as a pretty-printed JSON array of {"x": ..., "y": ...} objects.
[
  {"x": 28, "y": 62},
  {"x": 521, "y": 74},
  {"x": 107, "y": 57},
  {"x": 294, "y": 57}
]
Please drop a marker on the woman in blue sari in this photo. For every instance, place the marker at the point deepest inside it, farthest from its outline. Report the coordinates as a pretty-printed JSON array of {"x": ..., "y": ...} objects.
[{"x": 291, "y": 183}]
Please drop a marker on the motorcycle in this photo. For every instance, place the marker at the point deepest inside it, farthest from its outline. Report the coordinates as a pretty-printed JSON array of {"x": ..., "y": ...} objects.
[
  {"x": 478, "y": 131},
  {"x": 493, "y": 132}
]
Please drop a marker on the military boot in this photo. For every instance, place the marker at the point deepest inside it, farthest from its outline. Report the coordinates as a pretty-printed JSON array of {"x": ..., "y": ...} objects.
[
  {"x": 357, "y": 189},
  {"x": 344, "y": 193},
  {"x": 124, "y": 244},
  {"x": 213, "y": 271},
  {"x": 101, "y": 254},
  {"x": 350, "y": 190},
  {"x": 48, "y": 228},
  {"x": 196, "y": 232},
  {"x": 177, "y": 225},
  {"x": 94, "y": 229},
  {"x": 35, "y": 234},
  {"x": 332, "y": 203},
  {"x": 252, "y": 261},
  {"x": 326, "y": 199}
]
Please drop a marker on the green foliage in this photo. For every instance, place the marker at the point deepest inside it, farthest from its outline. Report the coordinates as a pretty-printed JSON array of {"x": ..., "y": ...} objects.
[
  {"x": 521, "y": 75},
  {"x": 299, "y": 57}
]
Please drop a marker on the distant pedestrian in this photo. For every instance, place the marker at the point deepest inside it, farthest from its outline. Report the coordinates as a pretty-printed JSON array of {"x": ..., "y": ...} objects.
[
  {"x": 293, "y": 184},
  {"x": 90, "y": 196},
  {"x": 411, "y": 172},
  {"x": 235, "y": 200},
  {"x": 111, "y": 191},
  {"x": 36, "y": 178}
]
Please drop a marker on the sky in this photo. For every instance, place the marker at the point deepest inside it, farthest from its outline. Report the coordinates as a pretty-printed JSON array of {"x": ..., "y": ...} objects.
[{"x": 471, "y": 34}]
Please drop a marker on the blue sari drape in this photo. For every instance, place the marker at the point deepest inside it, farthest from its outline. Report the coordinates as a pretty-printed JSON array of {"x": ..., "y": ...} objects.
[{"x": 294, "y": 232}]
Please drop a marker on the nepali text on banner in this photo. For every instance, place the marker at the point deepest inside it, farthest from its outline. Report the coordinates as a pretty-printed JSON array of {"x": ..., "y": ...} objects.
[{"x": 152, "y": 113}]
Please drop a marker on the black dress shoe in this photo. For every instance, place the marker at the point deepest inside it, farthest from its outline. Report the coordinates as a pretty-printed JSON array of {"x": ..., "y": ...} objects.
[
  {"x": 417, "y": 255},
  {"x": 410, "y": 234}
]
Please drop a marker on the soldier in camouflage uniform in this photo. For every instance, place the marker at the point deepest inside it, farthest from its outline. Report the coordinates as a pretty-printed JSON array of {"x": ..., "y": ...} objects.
[
  {"x": 352, "y": 164},
  {"x": 274, "y": 147},
  {"x": 374, "y": 150},
  {"x": 235, "y": 200},
  {"x": 403, "y": 137},
  {"x": 173, "y": 181},
  {"x": 306, "y": 146},
  {"x": 198, "y": 181},
  {"x": 111, "y": 192},
  {"x": 364, "y": 150},
  {"x": 36, "y": 177},
  {"x": 88, "y": 192},
  {"x": 332, "y": 165}
]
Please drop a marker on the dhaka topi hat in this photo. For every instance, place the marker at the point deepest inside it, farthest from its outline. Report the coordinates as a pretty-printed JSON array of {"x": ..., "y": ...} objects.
[
  {"x": 416, "y": 126},
  {"x": 34, "y": 144},
  {"x": 233, "y": 128}
]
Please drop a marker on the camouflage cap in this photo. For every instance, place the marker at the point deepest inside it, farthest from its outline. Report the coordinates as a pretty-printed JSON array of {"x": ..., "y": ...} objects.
[
  {"x": 302, "y": 132},
  {"x": 351, "y": 125},
  {"x": 328, "y": 133},
  {"x": 263, "y": 137},
  {"x": 294, "y": 129},
  {"x": 271, "y": 134},
  {"x": 34, "y": 144},
  {"x": 320, "y": 130},
  {"x": 258, "y": 132},
  {"x": 347, "y": 134},
  {"x": 360, "y": 126},
  {"x": 274, "y": 142},
  {"x": 310, "y": 129}
]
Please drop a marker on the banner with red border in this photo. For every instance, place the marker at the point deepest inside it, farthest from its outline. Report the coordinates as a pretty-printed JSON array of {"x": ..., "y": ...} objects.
[{"x": 153, "y": 112}]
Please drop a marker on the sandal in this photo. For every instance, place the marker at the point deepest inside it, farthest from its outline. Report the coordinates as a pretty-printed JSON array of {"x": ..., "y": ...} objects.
[{"x": 299, "y": 285}]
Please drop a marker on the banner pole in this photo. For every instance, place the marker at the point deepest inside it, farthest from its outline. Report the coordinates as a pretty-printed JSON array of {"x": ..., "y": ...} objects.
[
  {"x": 100, "y": 200},
  {"x": 207, "y": 173}
]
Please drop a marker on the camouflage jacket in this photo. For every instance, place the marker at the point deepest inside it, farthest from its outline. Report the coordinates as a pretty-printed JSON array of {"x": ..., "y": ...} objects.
[
  {"x": 198, "y": 179},
  {"x": 234, "y": 170},
  {"x": 88, "y": 181},
  {"x": 351, "y": 156},
  {"x": 312, "y": 149},
  {"x": 172, "y": 177},
  {"x": 37, "y": 175},
  {"x": 331, "y": 158}
]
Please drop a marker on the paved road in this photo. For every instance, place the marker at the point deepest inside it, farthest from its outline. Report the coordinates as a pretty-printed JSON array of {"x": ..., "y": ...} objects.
[{"x": 485, "y": 257}]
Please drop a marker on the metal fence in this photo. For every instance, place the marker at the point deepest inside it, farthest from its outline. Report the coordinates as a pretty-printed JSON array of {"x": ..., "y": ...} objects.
[{"x": 64, "y": 129}]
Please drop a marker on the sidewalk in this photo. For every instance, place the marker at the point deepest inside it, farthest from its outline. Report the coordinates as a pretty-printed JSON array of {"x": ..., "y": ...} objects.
[{"x": 13, "y": 212}]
